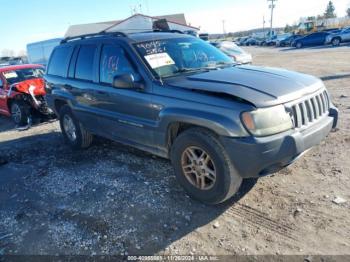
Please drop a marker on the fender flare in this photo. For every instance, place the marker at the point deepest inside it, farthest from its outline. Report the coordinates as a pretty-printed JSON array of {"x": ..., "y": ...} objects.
[{"x": 219, "y": 124}]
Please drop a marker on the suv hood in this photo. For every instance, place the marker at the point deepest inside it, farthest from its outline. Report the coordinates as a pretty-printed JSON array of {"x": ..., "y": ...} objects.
[{"x": 260, "y": 86}]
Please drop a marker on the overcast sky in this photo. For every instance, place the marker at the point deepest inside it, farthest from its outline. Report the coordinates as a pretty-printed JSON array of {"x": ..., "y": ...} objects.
[{"x": 25, "y": 21}]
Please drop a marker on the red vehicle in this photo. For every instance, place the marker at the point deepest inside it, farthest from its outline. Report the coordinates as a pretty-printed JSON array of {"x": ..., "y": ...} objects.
[{"x": 22, "y": 91}]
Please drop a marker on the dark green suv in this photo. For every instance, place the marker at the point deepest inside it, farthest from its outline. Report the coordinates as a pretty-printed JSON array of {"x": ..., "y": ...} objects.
[{"x": 178, "y": 97}]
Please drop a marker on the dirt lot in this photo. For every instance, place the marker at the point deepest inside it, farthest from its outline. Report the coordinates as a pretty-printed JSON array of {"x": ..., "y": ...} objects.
[{"x": 112, "y": 199}]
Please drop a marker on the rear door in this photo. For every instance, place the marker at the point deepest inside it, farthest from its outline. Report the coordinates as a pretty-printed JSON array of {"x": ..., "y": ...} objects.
[{"x": 81, "y": 83}]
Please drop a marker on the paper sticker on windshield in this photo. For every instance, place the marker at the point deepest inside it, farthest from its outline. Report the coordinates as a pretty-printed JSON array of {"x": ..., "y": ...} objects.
[
  {"x": 10, "y": 74},
  {"x": 159, "y": 60}
]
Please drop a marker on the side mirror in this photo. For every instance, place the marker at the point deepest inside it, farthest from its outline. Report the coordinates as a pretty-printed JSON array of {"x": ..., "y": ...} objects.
[{"x": 126, "y": 81}]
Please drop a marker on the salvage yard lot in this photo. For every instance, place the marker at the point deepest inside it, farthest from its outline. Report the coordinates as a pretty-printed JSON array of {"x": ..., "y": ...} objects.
[{"x": 112, "y": 199}]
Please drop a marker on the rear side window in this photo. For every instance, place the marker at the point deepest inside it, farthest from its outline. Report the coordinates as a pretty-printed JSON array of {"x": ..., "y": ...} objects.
[
  {"x": 59, "y": 61},
  {"x": 85, "y": 62},
  {"x": 113, "y": 62}
]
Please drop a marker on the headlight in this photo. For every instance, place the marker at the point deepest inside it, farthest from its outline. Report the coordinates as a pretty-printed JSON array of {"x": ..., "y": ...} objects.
[{"x": 267, "y": 121}]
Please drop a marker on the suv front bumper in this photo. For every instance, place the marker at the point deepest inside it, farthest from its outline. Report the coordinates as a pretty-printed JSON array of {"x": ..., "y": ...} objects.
[{"x": 256, "y": 157}]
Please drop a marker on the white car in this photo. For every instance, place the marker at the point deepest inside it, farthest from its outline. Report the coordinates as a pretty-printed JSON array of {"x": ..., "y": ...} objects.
[{"x": 235, "y": 52}]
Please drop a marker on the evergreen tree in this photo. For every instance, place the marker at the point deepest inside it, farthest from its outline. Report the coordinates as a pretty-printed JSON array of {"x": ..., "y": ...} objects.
[
  {"x": 348, "y": 12},
  {"x": 329, "y": 13}
]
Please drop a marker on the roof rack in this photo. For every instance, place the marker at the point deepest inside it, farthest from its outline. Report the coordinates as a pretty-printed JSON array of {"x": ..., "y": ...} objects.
[
  {"x": 102, "y": 33},
  {"x": 168, "y": 31}
]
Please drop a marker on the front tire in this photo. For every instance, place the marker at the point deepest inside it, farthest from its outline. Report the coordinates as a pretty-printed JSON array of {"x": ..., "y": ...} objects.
[
  {"x": 299, "y": 45},
  {"x": 203, "y": 167},
  {"x": 73, "y": 131},
  {"x": 20, "y": 113}
]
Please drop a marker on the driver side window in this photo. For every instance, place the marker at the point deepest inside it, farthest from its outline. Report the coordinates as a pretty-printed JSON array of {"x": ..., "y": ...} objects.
[{"x": 113, "y": 62}]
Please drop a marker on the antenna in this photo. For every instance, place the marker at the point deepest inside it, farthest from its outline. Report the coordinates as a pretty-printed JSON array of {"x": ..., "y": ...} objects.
[{"x": 271, "y": 6}]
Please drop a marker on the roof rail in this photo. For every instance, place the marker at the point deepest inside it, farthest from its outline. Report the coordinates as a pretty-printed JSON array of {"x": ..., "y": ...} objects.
[{"x": 103, "y": 33}]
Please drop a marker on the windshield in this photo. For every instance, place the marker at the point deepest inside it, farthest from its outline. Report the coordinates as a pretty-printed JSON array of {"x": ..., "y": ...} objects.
[
  {"x": 170, "y": 57},
  {"x": 19, "y": 75}
]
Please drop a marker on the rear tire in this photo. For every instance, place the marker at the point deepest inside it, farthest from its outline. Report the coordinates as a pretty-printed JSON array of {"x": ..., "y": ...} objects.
[
  {"x": 20, "y": 112},
  {"x": 73, "y": 131},
  {"x": 193, "y": 142},
  {"x": 336, "y": 41}
]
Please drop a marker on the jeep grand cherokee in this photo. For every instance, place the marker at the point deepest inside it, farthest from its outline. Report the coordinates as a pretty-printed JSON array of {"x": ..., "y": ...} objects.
[{"x": 178, "y": 97}]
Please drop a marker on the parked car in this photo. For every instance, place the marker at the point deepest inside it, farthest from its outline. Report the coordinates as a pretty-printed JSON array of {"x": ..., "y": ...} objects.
[
  {"x": 22, "y": 93},
  {"x": 261, "y": 41},
  {"x": 289, "y": 40},
  {"x": 237, "y": 54},
  {"x": 242, "y": 41},
  {"x": 39, "y": 52},
  {"x": 335, "y": 38},
  {"x": 280, "y": 38},
  {"x": 314, "y": 39},
  {"x": 204, "y": 36},
  {"x": 179, "y": 97},
  {"x": 270, "y": 41},
  {"x": 10, "y": 60},
  {"x": 250, "y": 41}
]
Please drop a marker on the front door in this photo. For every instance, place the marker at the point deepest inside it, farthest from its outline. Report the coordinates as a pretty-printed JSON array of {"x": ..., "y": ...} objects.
[
  {"x": 3, "y": 96},
  {"x": 126, "y": 114}
]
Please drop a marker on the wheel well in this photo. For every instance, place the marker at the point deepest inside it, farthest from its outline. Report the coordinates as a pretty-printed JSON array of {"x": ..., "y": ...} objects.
[
  {"x": 337, "y": 37},
  {"x": 9, "y": 102},
  {"x": 16, "y": 98},
  {"x": 59, "y": 104},
  {"x": 175, "y": 129}
]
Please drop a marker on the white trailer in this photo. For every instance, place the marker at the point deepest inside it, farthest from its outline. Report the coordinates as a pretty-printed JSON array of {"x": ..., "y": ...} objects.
[{"x": 39, "y": 52}]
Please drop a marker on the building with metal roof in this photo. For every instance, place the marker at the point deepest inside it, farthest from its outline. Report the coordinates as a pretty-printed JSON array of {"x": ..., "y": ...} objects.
[{"x": 133, "y": 24}]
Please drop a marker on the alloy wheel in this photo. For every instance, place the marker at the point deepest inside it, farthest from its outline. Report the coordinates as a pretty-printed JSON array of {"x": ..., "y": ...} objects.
[
  {"x": 16, "y": 113},
  {"x": 198, "y": 168},
  {"x": 69, "y": 128}
]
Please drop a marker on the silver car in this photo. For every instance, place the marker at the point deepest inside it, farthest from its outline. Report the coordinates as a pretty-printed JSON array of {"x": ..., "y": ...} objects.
[
  {"x": 235, "y": 52},
  {"x": 337, "y": 38}
]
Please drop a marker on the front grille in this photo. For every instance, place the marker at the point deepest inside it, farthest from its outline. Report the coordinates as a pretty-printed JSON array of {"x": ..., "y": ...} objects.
[{"x": 309, "y": 110}]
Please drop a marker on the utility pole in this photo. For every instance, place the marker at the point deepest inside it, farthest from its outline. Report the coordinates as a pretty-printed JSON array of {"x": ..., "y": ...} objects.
[
  {"x": 271, "y": 6},
  {"x": 264, "y": 25},
  {"x": 223, "y": 28}
]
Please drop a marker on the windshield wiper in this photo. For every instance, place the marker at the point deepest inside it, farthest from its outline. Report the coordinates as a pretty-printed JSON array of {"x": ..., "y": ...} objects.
[
  {"x": 223, "y": 63},
  {"x": 185, "y": 70}
]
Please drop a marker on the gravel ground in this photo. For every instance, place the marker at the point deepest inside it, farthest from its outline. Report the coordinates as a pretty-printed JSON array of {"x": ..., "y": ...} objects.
[{"x": 112, "y": 199}]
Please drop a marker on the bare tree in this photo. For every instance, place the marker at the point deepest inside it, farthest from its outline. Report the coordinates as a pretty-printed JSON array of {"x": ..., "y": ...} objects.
[
  {"x": 7, "y": 52},
  {"x": 22, "y": 53}
]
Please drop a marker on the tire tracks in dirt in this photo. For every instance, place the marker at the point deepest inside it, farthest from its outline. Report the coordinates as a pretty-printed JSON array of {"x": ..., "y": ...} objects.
[{"x": 259, "y": 219}]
